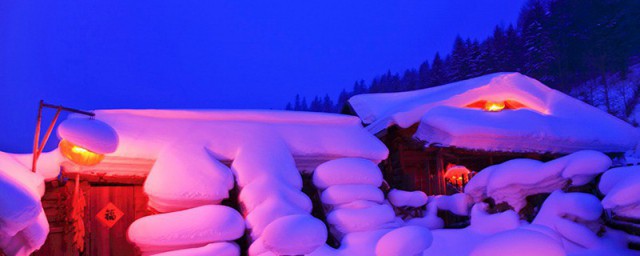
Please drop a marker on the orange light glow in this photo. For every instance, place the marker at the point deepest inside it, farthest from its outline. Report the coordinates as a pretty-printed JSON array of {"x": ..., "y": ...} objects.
[
  {"x": 79, "y": 155},
  {"x": 457, "y": 175},
  {"x": 494, "y": 106}
]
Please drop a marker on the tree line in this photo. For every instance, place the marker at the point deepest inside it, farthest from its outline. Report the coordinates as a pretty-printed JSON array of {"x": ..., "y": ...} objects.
[{"x": 562, "y": 43}]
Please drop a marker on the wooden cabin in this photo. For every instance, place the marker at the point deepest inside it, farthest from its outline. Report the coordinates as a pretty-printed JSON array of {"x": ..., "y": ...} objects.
[
  {"x": 413, "y": 166},
  {"x": 480, "y": 122},
  {"x": 98, "y": 195}
]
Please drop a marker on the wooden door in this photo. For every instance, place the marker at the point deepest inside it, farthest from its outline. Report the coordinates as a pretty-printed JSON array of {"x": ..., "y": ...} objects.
[
  {"x": 100, "y": 240},
  {"x": 104, "y": 240}
]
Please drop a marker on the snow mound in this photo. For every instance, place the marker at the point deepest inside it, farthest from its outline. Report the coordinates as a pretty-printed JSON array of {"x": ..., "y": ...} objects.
[
  {"x": 218, "y": 249},
  {"x": 89, "y": 133},
  {"x": 256, "y": 163},
  {"x": 294, "y": 235},
  {"x": 409, "y": 240},
  {"x": 186, "y": 229},
  {"x": 568, "y": 214},
  {"x": 361, "y": 243},
  {"x": 269, "y": 211},
  {"x": 262, "y": 190},
  {"x": 27, "y": 240},
  {"x": 186, "y": 176},
  {"x": 514, "y": 180},
  {"x": 458, "y": 204},
  {"x": 521, "y": 242},
  {"x": 18, "y": 207},
  {"x": 341, "y": 194},
  {"x": 365, "y": 219},
  {"x": 485, "y": 223},
  {"x": 400, "y": 198},
  {"x": 347, "y": 171},
  {"x": 621, "y": 187},
  {"x": 21, "y": 175},
  {"x": 23, "y": 224}
]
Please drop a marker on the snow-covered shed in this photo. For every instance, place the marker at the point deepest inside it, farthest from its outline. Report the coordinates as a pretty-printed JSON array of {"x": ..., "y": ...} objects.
[
  {"x": 483, "y": 121},
  {"x": 158, "y": 174}
]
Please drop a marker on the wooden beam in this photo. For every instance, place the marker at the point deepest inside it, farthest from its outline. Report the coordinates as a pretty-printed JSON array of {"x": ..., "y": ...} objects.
[{"x": 72, "y": 110}]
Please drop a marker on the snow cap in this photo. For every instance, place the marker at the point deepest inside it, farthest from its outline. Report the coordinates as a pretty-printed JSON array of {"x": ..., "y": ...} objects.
[
  {"x": 541, "y": 119},
  {"x": 88, "y": 133}
]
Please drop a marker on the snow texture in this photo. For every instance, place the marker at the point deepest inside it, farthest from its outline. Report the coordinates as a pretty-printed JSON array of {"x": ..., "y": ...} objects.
[
  {"x": 262, "y": 190},
  {"x": 361, "y": 243},
  {"x": 514, "y": 180},
  {"x": 400, "y": 198},
  {"x": 570, "y": 215},
  {"x": 48, "y": 163},
  {"x": 409, "y": 240},
  {"x": 458, "y": 204},
  {"x": 186, "y": 229},
  {"x": 89, "y": 133},
  {"x": 186, "y": 176},
  {"x": 347, "y": 171},
  {"x": 266, "y": 157},
  {"x": 550, "y": 122},
  {"x": 218, "y": 249},
  {"x": 365, "y": 219},
  {"x": 621, "y": 187},
  {"x": 144, "y": 133},
  {"x": 277, "y": 212},
  {"x": 341, "y": 194},
  {"x": 519, "y": 242},
  {"x": 294, "y": 235},
  {"x": 23, "y": 224}
]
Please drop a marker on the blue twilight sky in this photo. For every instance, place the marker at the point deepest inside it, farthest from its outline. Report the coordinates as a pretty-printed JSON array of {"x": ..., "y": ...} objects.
[{"x": 214, "y": 54}]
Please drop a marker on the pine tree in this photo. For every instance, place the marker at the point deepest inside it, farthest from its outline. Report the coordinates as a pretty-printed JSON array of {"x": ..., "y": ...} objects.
[
  {"x": 297, "y": 105},
  {"x": 459, "y": 68},
  {"x": 327, "y": 104},
  {"x": 423, "y": 75},
  {"x": 438, "y": 74},
  {"x": 303, "y": 105},
  {"x": 536, "y": 41},
  {"x": 342, "y": 100}
]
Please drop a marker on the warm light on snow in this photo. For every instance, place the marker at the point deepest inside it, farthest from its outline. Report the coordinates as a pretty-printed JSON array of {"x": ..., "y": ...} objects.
[
  {"x": 79, "y": 155},
  {"x": 494, "y": 106}
]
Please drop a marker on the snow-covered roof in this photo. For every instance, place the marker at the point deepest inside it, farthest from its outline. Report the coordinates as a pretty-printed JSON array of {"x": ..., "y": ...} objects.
[
  {"x": 545, "y": 120},
  {"x": 145, "y": 133}
]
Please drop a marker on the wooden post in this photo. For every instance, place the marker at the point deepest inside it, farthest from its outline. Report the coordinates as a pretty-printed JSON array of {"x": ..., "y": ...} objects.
[
  {"x": 441, "y": 188},
  {"x": 49, "y": 130},
  {"x": 36, "y": 137}
]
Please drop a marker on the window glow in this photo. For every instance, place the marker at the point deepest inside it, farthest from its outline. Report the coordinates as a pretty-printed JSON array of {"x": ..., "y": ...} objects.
[{"x": 494, "y": 106}]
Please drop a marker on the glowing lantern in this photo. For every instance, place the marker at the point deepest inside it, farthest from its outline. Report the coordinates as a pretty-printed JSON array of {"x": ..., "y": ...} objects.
[
  {"x": 79, "y": 155},
  {"x": 86, "y": 141},
  {"x": 494, "y": 106},
  {"x": 457, "y": 175}
]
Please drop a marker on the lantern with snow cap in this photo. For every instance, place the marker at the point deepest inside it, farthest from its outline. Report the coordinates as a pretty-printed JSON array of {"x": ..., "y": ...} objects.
[{"x": 84, "y": 141}]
